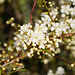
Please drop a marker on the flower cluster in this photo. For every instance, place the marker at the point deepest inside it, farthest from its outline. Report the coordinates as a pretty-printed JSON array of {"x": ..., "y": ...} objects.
[
  {"x": 68, "y": 15},
  {"x": 73, "y": 1},
  {"x": 59, "y": 71},
  {"x": 67, "y": 8},
  {"x": 43, "y": 36},
  {"x": 7, "y": 55},
  {"x": 37, "y": 38}
]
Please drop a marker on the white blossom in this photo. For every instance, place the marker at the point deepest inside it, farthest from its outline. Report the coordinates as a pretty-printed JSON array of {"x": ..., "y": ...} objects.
[
  {"x": 41, "y": 27},
  {"x": 60, "y": 71},
  {"x": 65, "y": 9},
  {"x": 45, "y": 61},
  {"x": 24, "y": 28},
  {"x": 37, "y": 36},
  {"x": 73, "y": 11},
  {"x": 50, "y": 72},
  {"x": 58, "y": 32},
  {"x": 54, "y": 26},
  {"x": 72, "y": 23},
  {"x": 73, "y": 2},
  {"x": 46, "y": 19},
  {"x": 64, "y": 26},
  {"x": 54, "y": 13}
]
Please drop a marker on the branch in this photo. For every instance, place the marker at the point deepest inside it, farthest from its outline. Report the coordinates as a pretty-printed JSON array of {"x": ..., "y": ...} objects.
[
  {"x": 70, "y": 34},
  {"x": 17, "y": 57},
  {"x": 63, "y": 60},
  {"x": 60, "y": 58},
  {"x": 32, "y": 10},
  {"x": 9, "y": 62},
  {"x": 47, "y": 8}
]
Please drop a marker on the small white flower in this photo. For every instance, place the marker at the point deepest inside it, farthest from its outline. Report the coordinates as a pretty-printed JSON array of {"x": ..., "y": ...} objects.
[
  {"x": 37, "y": 36},
  {"x": 61, "y": 2},
  {"x": 65, "y": 9},
  {"x": 42, "y": 43},
  {"x": 50, "y": 72},
  {"x": 41, "y": 27},
  {"x": 72, "y": 23},
  {"x": 63, "y": 15},
  {"x": 21, "y": 39},
  {"x": 28, "y": 37},
  {"x": 64, "y": 26},
  {"x": 58, "y": 32},
  {"x": 46, "y": 19},
  {"x": 60, "y": 71},
  {"x": 54, "y": 26},
  {"x": 73, "y": 11},
  {"x": 28, "y": 54},
  {"x": 18, "y": 48},
  {"x": 73, "y": 2},
  {"x": 38, "y": 21},
  {"x": 45, "y": 61},
  {"x": 24, "y": 28},
  {"x": 54, "y": 13},
  {"x": 42, "y": 14}
]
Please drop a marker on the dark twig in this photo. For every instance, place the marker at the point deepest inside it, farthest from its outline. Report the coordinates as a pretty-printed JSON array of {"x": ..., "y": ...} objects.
[
  {"x": 63, "y": 60},
  {"x": 32, "y": 10},
  {"x": 70, "y": 34}
]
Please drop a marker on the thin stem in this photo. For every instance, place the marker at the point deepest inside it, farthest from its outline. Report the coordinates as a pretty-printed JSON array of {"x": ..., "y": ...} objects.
[
  {"x": 58, "y": 57},
  {"x": 17, "y": 57},
  {"x": 32, "y": 10},
  {"x": 63, "y": 60},
  {"x": 47, "y": 51},
  {"x": 47, "y": 9},
  {"x": 70, "y": 34},
  {"x": 45, "y": 5}
]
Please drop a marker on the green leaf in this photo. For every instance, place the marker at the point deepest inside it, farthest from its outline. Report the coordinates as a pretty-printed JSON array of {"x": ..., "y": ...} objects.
[
  {"x": 23, "y": 69},
  {"x": 0, "y": 71}
]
